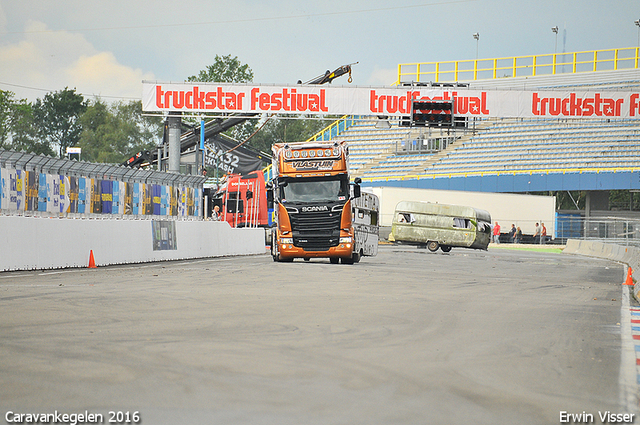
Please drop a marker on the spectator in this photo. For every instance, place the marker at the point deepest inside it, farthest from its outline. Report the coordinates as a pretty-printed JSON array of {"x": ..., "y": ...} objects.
[
  {"x": 543, "y": 234},
  {"x": 512, "y": 234},
  {"x": 536, "y": 235},
  {"x": 518, "y": 235},
  {"x": 215, "y": 214},
  {"x": 496, "y": 233}
]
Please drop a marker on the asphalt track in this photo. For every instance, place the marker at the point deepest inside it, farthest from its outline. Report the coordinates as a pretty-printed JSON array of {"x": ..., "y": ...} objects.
[{"x": 407, "y": 337}]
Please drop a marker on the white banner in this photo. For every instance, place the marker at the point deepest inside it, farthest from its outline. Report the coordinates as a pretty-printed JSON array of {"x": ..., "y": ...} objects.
[{"x": 328, "y": 100}]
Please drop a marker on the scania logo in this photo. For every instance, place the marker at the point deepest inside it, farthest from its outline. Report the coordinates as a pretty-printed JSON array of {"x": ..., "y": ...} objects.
[{"x": 313, "y": 209}]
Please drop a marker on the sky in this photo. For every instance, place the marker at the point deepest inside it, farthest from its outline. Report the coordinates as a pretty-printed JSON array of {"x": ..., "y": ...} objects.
[{"x": 106, "y": 48}]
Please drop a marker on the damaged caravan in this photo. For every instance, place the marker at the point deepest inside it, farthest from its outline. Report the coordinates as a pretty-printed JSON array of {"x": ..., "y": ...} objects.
[{"x": 434, "y": 226}]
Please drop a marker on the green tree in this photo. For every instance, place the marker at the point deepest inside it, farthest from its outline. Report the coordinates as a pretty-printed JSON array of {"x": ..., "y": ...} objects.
[
  {"x": 57, "y": 117},
  {"x": 24, "y": 134},
  {"x": 225, "y": 69},
  {"x": 111, "y": 133},
  {"x": 6, "y": 104}
]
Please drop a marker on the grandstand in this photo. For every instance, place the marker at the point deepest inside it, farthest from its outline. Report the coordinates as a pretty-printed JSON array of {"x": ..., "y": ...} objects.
[{"x": 383, "y": 152}]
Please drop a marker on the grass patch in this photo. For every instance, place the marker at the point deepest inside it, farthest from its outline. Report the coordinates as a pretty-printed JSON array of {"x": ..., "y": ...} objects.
[{"x": 536, "y": 248}]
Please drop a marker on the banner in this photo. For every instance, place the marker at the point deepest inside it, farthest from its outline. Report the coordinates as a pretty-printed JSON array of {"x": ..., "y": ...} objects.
[
  {"x": 224, "y": 155},
  {"x": 391, "y": 101}
]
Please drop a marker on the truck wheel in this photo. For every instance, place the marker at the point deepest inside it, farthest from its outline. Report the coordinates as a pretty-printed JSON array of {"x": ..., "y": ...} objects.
[
  {"x": 357, "y": 256},
  {"x": 433, "y": 246},
  {"x": 445, "y": 248},
  {"x": 334, "y": 260},
  {"x": 347, "y": 260}
]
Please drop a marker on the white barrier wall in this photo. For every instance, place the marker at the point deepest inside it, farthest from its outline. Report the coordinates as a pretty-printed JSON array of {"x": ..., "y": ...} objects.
[
  {"x": 28, "y": 243},
  {"x": 628, "y": 255}
]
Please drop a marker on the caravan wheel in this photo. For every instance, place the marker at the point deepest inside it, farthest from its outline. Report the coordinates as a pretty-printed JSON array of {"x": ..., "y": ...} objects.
[
  {"x": 445, "y": 248},
  {"x": 433, "y": 246}
]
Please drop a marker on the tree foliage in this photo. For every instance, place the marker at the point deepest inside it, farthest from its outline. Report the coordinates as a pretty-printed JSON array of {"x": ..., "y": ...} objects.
[
  {"x": 112, "y": 132},
  {"x": 57, "y": 118},
  {"x": 6, "y": 102},
  {"x": 225, "y": 69}
]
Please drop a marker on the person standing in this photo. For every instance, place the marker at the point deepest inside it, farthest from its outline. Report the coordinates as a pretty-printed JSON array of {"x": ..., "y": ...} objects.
[
  {"x": 543, "y": 234},
  {"x": 536, "y": 235},
  {"x": 512, "y": 234},
  {"x": 496, "y": 233},
  {"x": 519, "y": 235},
  {"x": 215, "y": 214}
]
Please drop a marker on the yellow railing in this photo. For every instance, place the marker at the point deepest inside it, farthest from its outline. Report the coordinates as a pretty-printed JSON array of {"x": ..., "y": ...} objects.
[
  {"x": 333, "y": 129},
  {"x": 519, "y": 66}
]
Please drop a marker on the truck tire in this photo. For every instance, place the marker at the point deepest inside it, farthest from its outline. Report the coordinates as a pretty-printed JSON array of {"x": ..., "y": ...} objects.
[
  {"x": 357, "y": 256},
  {"x": 433, "y": 246},
  {"x": 334, "y": 260},
  {"x": 346, "y": 260}
]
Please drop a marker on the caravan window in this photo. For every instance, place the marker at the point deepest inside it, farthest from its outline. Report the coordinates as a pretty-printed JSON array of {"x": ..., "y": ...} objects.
[
  {"x": 461, "y": 223},
  {"x": 405, "y": 218}
]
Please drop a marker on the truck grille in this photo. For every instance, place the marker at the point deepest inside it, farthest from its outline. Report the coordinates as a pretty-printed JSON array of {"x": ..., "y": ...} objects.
[{"x": 315, "y": 231}]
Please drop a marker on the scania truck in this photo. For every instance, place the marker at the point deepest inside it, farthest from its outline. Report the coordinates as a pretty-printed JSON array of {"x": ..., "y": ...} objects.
[{"x": 315, "y": 209}]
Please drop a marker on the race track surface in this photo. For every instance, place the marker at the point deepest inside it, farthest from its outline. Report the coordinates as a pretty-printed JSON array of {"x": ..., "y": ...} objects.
[{"x": 407, "y": 337}]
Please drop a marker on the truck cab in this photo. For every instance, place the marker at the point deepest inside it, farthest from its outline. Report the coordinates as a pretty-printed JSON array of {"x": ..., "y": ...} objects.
[{"x": 312, "y": 197}]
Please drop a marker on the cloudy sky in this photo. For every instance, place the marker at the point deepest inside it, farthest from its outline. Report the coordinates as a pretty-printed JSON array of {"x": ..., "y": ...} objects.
[{"x": 107, "y": 47}]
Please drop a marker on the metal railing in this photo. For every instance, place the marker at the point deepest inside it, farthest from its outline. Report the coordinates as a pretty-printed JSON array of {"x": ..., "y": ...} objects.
[
  {"x": 520, "y": 66},
  {"x": 333, "y": 129},
  {"x": 615, "y": 230}
]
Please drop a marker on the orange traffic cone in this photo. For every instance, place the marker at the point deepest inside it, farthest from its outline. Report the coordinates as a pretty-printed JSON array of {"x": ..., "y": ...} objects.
[
  {"x": 92, "y": 262},
  {"x": 629, "y": 280}
]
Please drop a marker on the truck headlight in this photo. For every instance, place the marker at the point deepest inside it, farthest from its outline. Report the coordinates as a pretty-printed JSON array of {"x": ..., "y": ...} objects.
[
  {"x": 286, "y": 241},
  {"x": 346, "y": 239}
]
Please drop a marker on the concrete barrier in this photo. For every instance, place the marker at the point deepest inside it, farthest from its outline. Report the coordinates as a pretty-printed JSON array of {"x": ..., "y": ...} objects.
[
  {"x": 31, "y": 243},
  {"x": 624, "y": 254}
]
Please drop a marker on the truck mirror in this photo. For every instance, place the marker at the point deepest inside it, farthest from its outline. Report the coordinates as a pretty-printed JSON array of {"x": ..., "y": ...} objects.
[
  {"x": 270, "y": 199},
  {"x": 356, "y": 191}
]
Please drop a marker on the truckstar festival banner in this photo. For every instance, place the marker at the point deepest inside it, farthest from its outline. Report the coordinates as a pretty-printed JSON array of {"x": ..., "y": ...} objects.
[{"x": 300, "y": 99}]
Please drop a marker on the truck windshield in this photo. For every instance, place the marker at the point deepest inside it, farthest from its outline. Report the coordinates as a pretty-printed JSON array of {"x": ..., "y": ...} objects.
[{"x": 315, "y": 189}]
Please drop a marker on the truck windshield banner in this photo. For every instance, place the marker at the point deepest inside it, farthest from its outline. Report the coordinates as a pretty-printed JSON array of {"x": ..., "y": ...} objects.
[{"x": 337, "y": 100}]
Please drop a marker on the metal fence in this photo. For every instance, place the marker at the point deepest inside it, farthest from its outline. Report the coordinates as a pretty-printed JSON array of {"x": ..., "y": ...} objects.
[
  {"x": 38, "y": 185},
  {"x": 621, "y": 231}
]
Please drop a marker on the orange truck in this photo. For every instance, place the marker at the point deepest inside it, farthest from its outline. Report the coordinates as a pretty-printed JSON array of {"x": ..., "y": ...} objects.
[{"x": 314, "y": 205}]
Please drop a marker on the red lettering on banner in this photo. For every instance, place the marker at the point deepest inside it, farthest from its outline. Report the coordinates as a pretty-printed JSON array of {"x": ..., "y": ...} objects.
[
  {"x": 473, "y": 105},
  {"x": 198, "y": 99},
  {"x": 393, "y": 104},
  {"x": 159, "y": 94},
  {"x": 634, "y": 106},
  {"x": 573, "y": 106},
  {"x": 287, "y": 100},
  {"x": 210, "y": 100},
  {"x": 178, "y": 99},
  {"x": 220, "y": 96}
]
